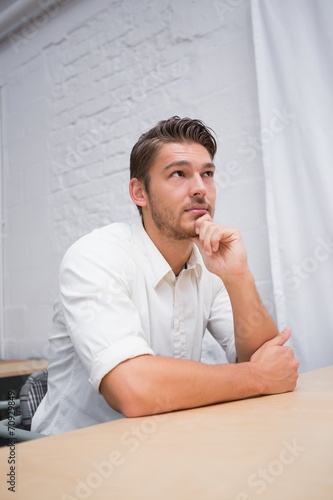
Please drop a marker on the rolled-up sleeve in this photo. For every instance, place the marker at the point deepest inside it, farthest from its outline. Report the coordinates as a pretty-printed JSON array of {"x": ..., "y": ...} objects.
[{"x": 95, "y": 285}]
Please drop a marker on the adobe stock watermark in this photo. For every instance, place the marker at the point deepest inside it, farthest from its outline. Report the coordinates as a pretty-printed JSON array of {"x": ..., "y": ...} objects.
[
  {"x": 252, "y": 145},
  {"x": 30, "y": 27},
  {"x": 11, "y": 476},
  {"x": 84, "y": 146},
  {"x": 260, "y": 480},
  {"x": 310, "y": 264},
  {"x": 279, "y": 120},
  {"x": 158, "y": 76},
  {"x": 127, "y": 101},
  {"x": 223, "y": 177},
  {"x": 255, "y": 319},
  {"x": 292, "y": 278},
  {"x": 102, "y": 470}
]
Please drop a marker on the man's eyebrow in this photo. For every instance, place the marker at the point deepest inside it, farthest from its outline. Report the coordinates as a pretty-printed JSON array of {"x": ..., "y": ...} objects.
[{"x": 185, "y": 163}]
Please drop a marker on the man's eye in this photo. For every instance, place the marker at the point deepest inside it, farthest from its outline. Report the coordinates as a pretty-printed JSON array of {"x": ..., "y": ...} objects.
[
  {"x": 209, "y": 173},
  {"x": 177, "y": 173}
]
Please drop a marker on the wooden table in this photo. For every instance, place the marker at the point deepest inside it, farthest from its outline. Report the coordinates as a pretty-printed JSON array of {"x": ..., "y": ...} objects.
[
  {"x": 16, "y": 368},
  {"x": 273, "y": 448}
]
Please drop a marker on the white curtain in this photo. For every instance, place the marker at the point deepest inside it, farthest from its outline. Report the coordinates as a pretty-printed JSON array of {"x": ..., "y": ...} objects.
[{"x": 293, "y": 41}]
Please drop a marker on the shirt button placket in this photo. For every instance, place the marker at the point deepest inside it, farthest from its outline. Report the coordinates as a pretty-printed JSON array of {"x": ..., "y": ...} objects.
[{"x": 179, "y": 331}]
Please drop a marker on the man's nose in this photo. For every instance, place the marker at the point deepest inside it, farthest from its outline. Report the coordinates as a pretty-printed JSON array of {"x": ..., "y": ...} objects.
[{"x": 197, "y": 187}]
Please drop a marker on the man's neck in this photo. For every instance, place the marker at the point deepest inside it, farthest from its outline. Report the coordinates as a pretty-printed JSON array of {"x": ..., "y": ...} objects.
[{"x": 175, "y": 252}]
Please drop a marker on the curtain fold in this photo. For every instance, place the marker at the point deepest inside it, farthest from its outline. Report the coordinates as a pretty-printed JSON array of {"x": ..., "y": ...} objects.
[{"x": 293, "y": 42}]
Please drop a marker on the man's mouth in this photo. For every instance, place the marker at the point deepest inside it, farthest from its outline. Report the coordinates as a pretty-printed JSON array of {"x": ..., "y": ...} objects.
[{"x": 198, "y": 210}]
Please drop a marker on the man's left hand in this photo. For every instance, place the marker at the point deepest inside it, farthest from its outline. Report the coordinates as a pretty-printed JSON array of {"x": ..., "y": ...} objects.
[{"x": 221, "y": 247}]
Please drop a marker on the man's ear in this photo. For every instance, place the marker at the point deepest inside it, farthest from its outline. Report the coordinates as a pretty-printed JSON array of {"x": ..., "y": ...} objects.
[{"x": 137, "y": 192}]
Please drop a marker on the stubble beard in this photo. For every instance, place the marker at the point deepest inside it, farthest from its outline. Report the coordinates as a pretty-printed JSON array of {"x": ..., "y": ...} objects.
[{"x": 169, "y": 224}]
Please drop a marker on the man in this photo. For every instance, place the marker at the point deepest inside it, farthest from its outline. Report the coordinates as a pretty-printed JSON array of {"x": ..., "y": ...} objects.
[{"x": 134, "y": 301}]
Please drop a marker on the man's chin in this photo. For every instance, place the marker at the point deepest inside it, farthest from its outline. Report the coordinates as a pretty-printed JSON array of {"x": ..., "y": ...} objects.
[{"x": 187, "y": 233}]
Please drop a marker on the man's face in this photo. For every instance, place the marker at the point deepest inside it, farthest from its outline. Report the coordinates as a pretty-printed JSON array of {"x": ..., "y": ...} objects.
[{"x": 181, "y": 189}]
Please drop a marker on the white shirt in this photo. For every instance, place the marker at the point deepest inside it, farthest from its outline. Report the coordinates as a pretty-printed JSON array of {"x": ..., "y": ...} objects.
[{"x": 119, "y": 298}]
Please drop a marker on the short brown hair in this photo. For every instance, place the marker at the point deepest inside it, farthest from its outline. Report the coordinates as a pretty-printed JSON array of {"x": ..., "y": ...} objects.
[{"x": 174, "y": 129}]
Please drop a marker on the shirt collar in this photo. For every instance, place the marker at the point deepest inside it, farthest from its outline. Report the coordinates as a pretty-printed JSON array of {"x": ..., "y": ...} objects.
[{"x": 158, "y": 265}]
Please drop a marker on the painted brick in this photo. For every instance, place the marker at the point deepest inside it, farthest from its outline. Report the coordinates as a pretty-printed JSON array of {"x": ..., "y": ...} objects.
[{"x": 126, "y": 65}]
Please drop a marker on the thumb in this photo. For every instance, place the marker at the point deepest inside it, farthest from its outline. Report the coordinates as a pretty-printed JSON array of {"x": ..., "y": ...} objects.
[{"x": 281, "y": 338}]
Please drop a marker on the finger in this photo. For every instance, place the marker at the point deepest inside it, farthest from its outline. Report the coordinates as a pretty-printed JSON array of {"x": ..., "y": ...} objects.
[
  {"x": 205, "y": 229},
  {"x": 207, "y": 238},
  {"x": 202, "y": 246},
  {"x": 212, "y": 239},
  {"x": 281, "y": 338},
  {"x": 216, "y": 238},
  {"x": 201, "y": 223},
  {"x": 201, "y": 220}
]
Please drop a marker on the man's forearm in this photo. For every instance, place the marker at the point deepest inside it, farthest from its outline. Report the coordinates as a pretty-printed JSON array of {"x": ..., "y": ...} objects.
[
  {"x": 147, "y": 385},
  {"x": 224, "y": 254},
  {"x": 252, "y": 322}
]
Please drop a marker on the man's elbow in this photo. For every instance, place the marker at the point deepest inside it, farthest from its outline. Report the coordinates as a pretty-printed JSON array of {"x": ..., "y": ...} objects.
[
  {"x": 128, "y": 399},
  {"x": 132, "y": 408}
]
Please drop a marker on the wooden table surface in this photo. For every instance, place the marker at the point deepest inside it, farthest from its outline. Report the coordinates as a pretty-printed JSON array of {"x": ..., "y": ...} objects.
[
  {"x": 17, "y": 367},
  {"x": 268, "y": 448}
]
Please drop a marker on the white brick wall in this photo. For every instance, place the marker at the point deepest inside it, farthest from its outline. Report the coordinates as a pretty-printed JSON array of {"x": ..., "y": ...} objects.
[{"x": 77, "y": 92}]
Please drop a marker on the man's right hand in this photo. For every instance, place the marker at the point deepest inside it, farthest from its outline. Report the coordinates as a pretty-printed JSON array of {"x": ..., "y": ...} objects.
[{"x": 277, "y": 364}]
